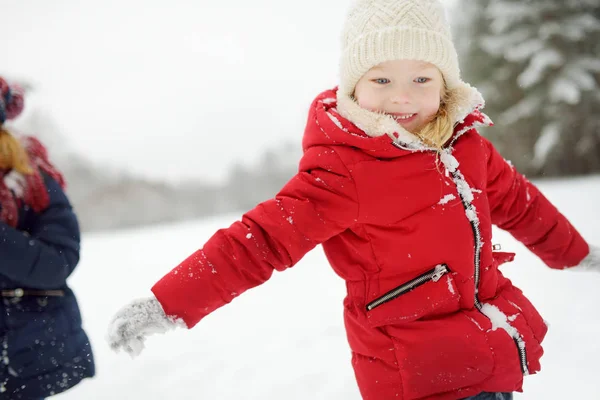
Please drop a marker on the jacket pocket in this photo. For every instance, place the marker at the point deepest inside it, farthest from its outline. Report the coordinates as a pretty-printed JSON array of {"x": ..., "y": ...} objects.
[
  {"x": 430, "y": 294},
  {"x": 437, "y": 347},
  {"x": 441, "y": 355}
]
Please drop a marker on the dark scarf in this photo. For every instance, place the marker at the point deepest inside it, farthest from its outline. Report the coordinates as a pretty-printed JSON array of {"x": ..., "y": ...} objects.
[{"x": 34, "y": 193}]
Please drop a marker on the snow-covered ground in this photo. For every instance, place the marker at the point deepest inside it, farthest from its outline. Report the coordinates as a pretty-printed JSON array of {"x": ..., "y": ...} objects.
[
  {"x": 285, "y": 339},
  {"x": 121, "y": 75}
]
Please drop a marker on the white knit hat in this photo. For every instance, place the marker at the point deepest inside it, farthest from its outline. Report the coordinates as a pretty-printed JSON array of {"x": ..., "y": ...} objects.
[{"x": 383, "y": 30}]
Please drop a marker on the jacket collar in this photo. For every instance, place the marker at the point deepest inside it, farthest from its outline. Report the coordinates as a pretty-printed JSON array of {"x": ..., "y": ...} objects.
[{"x": 464, "y": 100}]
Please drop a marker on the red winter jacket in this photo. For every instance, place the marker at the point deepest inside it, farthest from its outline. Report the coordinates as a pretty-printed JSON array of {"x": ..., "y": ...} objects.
[{"x": 428, "y": 314}]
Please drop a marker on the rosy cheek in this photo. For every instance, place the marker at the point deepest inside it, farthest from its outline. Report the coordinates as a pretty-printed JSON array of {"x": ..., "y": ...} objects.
[
  {"x": 432, "y": 110},
  {"x": 367, "y": 104}
]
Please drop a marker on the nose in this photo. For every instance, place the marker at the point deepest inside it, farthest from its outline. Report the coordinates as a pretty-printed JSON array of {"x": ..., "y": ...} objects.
[{"x": 400, "y": 96}]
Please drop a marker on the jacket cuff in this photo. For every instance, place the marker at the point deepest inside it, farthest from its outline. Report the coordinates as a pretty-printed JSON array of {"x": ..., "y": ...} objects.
[{"x": 591, "y": 262}]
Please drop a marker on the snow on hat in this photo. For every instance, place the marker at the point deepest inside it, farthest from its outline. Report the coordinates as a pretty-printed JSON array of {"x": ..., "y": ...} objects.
[
  {"x": 377, "y": 31},
  {"x": 11, "y": 101}
]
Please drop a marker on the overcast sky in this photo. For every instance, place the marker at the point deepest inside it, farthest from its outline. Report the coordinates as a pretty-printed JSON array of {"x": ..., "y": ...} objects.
[{"x": 173, "y": 89}]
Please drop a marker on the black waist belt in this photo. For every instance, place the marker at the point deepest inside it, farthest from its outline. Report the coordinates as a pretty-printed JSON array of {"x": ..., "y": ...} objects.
[{"x": 27, "y": 292}]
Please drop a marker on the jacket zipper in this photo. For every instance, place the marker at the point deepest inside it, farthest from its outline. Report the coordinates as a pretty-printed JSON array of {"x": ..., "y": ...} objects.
[
  {"x": 477, "y": 235},
  {"x": 433, "y": 275}
]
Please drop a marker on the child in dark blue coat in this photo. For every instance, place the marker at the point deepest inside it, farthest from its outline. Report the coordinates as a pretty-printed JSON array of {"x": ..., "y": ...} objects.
[{"x": 44, "y": 349}]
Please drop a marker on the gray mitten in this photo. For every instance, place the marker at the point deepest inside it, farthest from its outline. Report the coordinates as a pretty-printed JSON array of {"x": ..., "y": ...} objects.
[
  {"x": 133, "y": 323},
  {"x": 591, "y": 262}
]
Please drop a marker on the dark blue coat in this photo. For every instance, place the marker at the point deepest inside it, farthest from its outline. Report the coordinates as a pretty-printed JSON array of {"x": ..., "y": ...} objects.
[{"x": 44, "y": 348}]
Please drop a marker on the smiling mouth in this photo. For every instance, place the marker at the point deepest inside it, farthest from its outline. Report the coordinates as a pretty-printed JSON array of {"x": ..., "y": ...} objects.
[{"x": 403, "y": 117}]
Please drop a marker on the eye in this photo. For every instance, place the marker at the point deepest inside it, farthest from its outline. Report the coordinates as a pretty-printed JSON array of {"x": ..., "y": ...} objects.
[
  {"x": 381, "y": 81},
  {"x": 422, "y": 79}
]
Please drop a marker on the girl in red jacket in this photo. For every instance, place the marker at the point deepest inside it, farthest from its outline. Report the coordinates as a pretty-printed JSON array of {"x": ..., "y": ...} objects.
[{"x": 393, "y": 162}]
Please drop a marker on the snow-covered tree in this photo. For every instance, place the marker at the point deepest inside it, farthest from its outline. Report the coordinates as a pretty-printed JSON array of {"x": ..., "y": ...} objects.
[{"x": 537, "y": 63}]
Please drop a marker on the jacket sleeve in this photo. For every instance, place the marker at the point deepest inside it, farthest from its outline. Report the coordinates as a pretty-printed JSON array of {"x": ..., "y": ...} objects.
[
  {"x": 316, "y": 204},
  {"x": 518, "y": 207},
  {"x": 45, "y": 255}
]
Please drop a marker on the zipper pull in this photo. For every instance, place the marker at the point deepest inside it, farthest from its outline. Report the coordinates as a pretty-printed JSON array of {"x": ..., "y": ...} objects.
[{"x": 440, "y": 270}]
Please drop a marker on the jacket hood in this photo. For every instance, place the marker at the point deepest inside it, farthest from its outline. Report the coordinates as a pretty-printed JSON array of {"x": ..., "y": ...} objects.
[{"x": 328, "y": 126}]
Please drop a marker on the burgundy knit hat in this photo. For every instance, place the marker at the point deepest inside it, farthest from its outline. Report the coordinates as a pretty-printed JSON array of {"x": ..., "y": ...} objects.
[{"x": 11, "y": 101}]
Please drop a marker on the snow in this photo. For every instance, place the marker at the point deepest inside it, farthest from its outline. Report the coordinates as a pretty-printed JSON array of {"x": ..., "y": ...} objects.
[
  {"x": 472, "y": 215},
  {"x": 15, "y": 181},
  {"x": 501, "y": 321},
  {"x": 592, "y": 64},
  {"x": 507, "y": 12},
  {"x": 463, "y": 188},
  {"x": 336, "y": 121},
  {"x": 563, "y": 89},
  {"x": 449, "y": 161},
  {"x": 178, "y": 70},
  {"x": 498, "y": 44},
  {"x": 576, "y": 28},
  {"x": 527, "y": 107},
  {"x": 577, "y": 72},
  {"x": 522, "y": 34},
  {"x": 447, "y": 199},
  {"x": 525, "y": 50},
  {"x": 286, "y": 340},
  {"x": 539, "y": 63},
  {"x": 549, "y": 137},
  {"x": 450, "y": 287}
]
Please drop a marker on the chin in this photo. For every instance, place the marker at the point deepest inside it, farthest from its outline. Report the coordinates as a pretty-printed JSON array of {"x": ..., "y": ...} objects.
[{"x": 413, "y": 128}]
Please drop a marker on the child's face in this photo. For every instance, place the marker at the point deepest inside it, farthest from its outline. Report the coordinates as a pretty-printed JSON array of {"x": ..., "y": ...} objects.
[{"x": 408, "y": 90}]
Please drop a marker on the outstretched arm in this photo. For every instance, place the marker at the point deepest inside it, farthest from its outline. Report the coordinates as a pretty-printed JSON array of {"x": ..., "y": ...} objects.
[
  {"x": 316, "y": 204},
  {"x": 518, "y": 207}
]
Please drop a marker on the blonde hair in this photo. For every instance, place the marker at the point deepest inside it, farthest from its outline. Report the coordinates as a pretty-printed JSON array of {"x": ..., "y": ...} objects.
[
  {"x": 12, "y": 153},
  {"x": 437, "y": 132}
]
